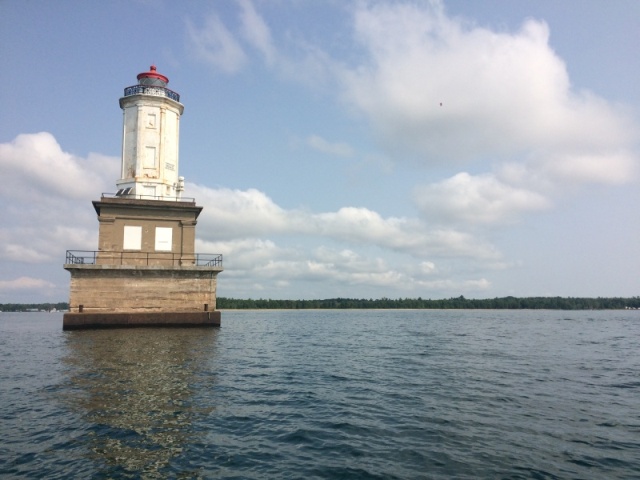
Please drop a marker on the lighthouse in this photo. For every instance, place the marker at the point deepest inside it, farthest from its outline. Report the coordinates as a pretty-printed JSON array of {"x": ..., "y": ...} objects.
[{"x": 145, "y": 271}]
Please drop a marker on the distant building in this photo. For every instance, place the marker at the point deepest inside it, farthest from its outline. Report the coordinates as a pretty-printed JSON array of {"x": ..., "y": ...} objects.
[{"x": 145, "y": 271}]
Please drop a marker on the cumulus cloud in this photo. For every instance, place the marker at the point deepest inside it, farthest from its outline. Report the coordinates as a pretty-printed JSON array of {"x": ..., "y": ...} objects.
[
  {"x": 239, "y": 213},
  {"x": 36, "y": 165},
  {"x": 251, "y": 213},
  {"x": 266, "y": 247},
  {"x": 47, "y": 198},
  {"x": 613, "y": 167},
  {"x": 409, "y": 236},
  {"x": 24, "y": 253},
  {"x": 481, "y": 199},
  {"x": 349, "y": 248},
  {"x": 25, "y": 283},
  {"x": 259, "y": 266},
  {"x": 519, "y": 188},
  {"x": 441, "y": 90},
  {"x": 449, "y": 91}
]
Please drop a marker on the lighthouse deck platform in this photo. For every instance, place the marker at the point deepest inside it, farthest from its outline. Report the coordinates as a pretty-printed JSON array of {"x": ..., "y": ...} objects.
[{"x": 136, "y": 295}]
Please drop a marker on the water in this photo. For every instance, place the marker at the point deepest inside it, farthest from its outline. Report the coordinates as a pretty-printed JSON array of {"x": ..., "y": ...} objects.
[{"x": 325, "y": 394}]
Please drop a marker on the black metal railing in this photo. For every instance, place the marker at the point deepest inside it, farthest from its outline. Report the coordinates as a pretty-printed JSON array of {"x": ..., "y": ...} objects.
[
  {"x": 98, "y": 257},
  {"x": 149, "y": 197},
  {"x": 80, "y": 257},
  {"x": 209, "y": 259},
  {"x": 151, "y": 90}
]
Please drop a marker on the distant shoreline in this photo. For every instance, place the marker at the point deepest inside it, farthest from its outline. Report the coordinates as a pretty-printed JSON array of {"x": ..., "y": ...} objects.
[
  {"x": 457, "y": 303},
  {"x": 454, "y": 303}
]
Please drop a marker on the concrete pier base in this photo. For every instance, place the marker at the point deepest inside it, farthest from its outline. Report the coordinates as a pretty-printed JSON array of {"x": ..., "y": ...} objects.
[{"x": 84, "y": 321}]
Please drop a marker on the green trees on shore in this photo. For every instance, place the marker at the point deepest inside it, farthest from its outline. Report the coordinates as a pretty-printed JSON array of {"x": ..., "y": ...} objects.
[
  {"x": 33, "y": 307},
  {"x": 549, "y": 303},
  {"x": 511, "y": 303}
]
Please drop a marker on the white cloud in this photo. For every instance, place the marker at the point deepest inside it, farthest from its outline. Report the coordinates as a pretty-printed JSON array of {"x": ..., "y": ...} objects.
[
  {"x": 261, "y": 266},
  {"x": 516, "y": 189},
  {"x": 608, "y": 168},
  {"x": 350, "y": 249},
  {"x": 519, "y": 188},
  {"x": 234, "y": 213},
  {"x": 23, "y": 253},
  {"x": 409, "y": 236},
  {"x": 256, "y": 32},
  {"x": 267, "y": 248},
  {"x": 47, "y": 198},
  {"x": 214, "y": 44},
  {"x": 25, "y": 283},
  {"x": 479, "y": 285},
  {"x": 428, "y": 267},
  {"x": 223, "y": 48},
  {"x": 338, "y": 149},
  {"x": 34, "y": 165},
  {"x": 445, "y": 90},
  {"x": 442, "y": 90},
  {"x": 481, "y": 199}
]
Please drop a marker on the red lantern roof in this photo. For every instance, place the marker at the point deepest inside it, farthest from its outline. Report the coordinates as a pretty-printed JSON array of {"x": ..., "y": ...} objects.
[{"x": 152, "y": 73}]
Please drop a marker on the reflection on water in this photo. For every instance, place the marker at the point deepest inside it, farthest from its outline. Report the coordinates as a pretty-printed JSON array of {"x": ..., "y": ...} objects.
[{"x": 135, "y": 390}]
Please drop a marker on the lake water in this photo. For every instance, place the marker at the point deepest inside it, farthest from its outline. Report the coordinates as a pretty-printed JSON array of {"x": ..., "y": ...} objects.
[{"x": 325, "y": 394}]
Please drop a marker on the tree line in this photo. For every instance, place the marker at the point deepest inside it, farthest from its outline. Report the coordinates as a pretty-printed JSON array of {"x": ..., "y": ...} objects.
[
  {"x": 512, "y": 303},
  {"x": 503, "y": 303},
  {"x": 33, "y": 307}
]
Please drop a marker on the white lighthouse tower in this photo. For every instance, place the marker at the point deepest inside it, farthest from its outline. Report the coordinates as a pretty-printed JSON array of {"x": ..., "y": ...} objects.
[{"x": 150, "y": 138}]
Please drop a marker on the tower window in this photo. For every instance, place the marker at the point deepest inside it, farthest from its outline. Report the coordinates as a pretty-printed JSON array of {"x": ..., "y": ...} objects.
[
  {"x": 163, "y": 239},
  {"x": 150, "y": 158},
  {"x": 132, "y": 238}
]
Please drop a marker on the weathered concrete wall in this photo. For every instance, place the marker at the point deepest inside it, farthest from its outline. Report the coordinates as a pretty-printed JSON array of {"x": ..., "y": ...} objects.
[
  {"x": 114, "y": 214},
  {"x": 130, "y": 289}
]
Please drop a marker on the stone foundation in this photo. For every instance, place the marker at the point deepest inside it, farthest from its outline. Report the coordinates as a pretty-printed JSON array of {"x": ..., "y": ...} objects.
[
  {"x": 83, "y": 321},
  {"x": 139, "y": 289},
  {"x": 117, "y": 296}
]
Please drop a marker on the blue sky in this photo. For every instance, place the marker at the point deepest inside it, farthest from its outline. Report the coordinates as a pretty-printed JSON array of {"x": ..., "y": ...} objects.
[{"x": 353, "y": 149}]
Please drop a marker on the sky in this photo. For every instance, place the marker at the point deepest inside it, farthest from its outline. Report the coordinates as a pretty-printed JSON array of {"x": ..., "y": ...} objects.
[{"x": 360, "y": 149}]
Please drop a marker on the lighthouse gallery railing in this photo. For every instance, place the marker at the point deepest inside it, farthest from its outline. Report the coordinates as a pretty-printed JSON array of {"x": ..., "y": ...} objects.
[
  {"x": 94, "y": 257},
  {"x": 151, "y": 90}
]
